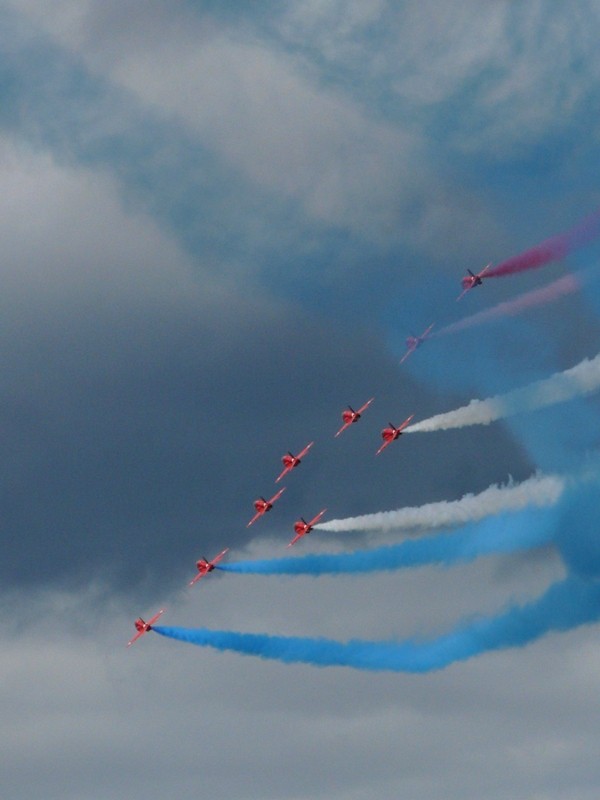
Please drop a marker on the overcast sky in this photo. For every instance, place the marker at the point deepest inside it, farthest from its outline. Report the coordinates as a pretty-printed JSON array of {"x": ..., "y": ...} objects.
[{"x": 220, "y": 221}]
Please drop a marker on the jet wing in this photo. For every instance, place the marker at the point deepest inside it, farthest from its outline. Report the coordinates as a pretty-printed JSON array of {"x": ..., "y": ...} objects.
[
  {"x": 302, "y": 453},
  {"x": 384, "y": 445},
  {"x": 220, "y": 556},
  {"x": 405, "y": 423},
  {"x": 155, "y": 617},
  {"x": 136, "y": 637},
  {"x": 464, "y": 291},
  {"x": 276, "y": 496},
  {"x": 285, "y": 472},
  {"x": 406, "y": 355},
  {"x": 255, "y": 517},
  {"x": 343, "y": 428},
  {"x": 366, "y": 405},
  {"x": 317, "y": 518}
]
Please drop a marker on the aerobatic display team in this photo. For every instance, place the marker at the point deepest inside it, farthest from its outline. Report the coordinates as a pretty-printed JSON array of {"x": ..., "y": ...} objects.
[{"x": 501, "y": 519}]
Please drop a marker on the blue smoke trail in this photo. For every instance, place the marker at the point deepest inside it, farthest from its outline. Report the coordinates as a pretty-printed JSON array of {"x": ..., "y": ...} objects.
[
  {"x": 505, "y": 533},
  {"x": 577, "y": 531},
  {"x": 564, "y": 605}
]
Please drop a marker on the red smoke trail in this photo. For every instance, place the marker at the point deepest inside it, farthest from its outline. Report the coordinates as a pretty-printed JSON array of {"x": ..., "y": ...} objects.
[
  {"x": 552, "y": 249},
  {"x": 536, "y": 297}
]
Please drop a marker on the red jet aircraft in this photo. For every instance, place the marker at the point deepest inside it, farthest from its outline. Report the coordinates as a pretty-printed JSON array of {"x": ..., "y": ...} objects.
[
  {"x": 390, "y": 434},
  {"x": 471, "y": 280},
  {"x": 350, "y": 415},
  {"x": 302, "y": 527},
  {"x": 291, "y": 461},
  {"x": 262, "y": 506},
  {"x": 413, "y": 342},
  {"x": 144, "y": 627},
  {"x": 205, "y": 566}
]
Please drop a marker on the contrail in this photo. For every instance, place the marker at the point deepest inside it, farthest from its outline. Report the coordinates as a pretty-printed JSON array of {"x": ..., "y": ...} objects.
[
  {"x": 552, "y": 249},
  {"x": 505, "y": 533},
  {"x": 565, "y": 605},
  {"x": 582, "y": 379},
  {"x": 538, "y": 490},
  {"x": 547, "y": 294}
]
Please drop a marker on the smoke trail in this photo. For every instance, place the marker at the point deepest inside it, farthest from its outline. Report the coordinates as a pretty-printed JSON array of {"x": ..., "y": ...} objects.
[
  {"x": 547, "y": 294},
  {"x": 565, "y": 605},
  {"x": 552, "y": 249},
  {"x": 505, "y": 533},
  {"x": 535, "y": 491},
  {"x": 582, "y": 379}
]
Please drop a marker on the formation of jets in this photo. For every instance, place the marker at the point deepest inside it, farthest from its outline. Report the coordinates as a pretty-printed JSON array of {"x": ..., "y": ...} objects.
[
  {"x": 262, "y": 506},
  {"x": 291, "y": 461}
]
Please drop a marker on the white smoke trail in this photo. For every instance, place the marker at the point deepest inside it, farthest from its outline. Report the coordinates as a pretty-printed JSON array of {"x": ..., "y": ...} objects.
[
  {"x": 580, "y": 380},
  {"x": 538, "y": 490}
]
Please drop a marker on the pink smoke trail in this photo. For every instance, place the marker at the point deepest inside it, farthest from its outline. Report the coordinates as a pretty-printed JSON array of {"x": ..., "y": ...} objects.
[
  {"x": 552, "y": 249},
  {"x": 536, "y": 297}
]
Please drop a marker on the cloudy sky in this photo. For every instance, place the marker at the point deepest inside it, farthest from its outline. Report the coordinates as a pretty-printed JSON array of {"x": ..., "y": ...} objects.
[{"x": 220, "y": 221}]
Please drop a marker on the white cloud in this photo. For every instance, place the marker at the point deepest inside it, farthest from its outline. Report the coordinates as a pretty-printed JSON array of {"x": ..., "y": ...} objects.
[
  {"x": 512, "y": 71},
  {"x": 70, "y": 236},
  {"x": 336, "y": 27},
  {"x": 270, "y": 119},
  {"x": 263, "y": 111},
  {"x": 271, "y": 116},
  {"x": 506, "y": 75},
  {"x": 84, "y": 717}
]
